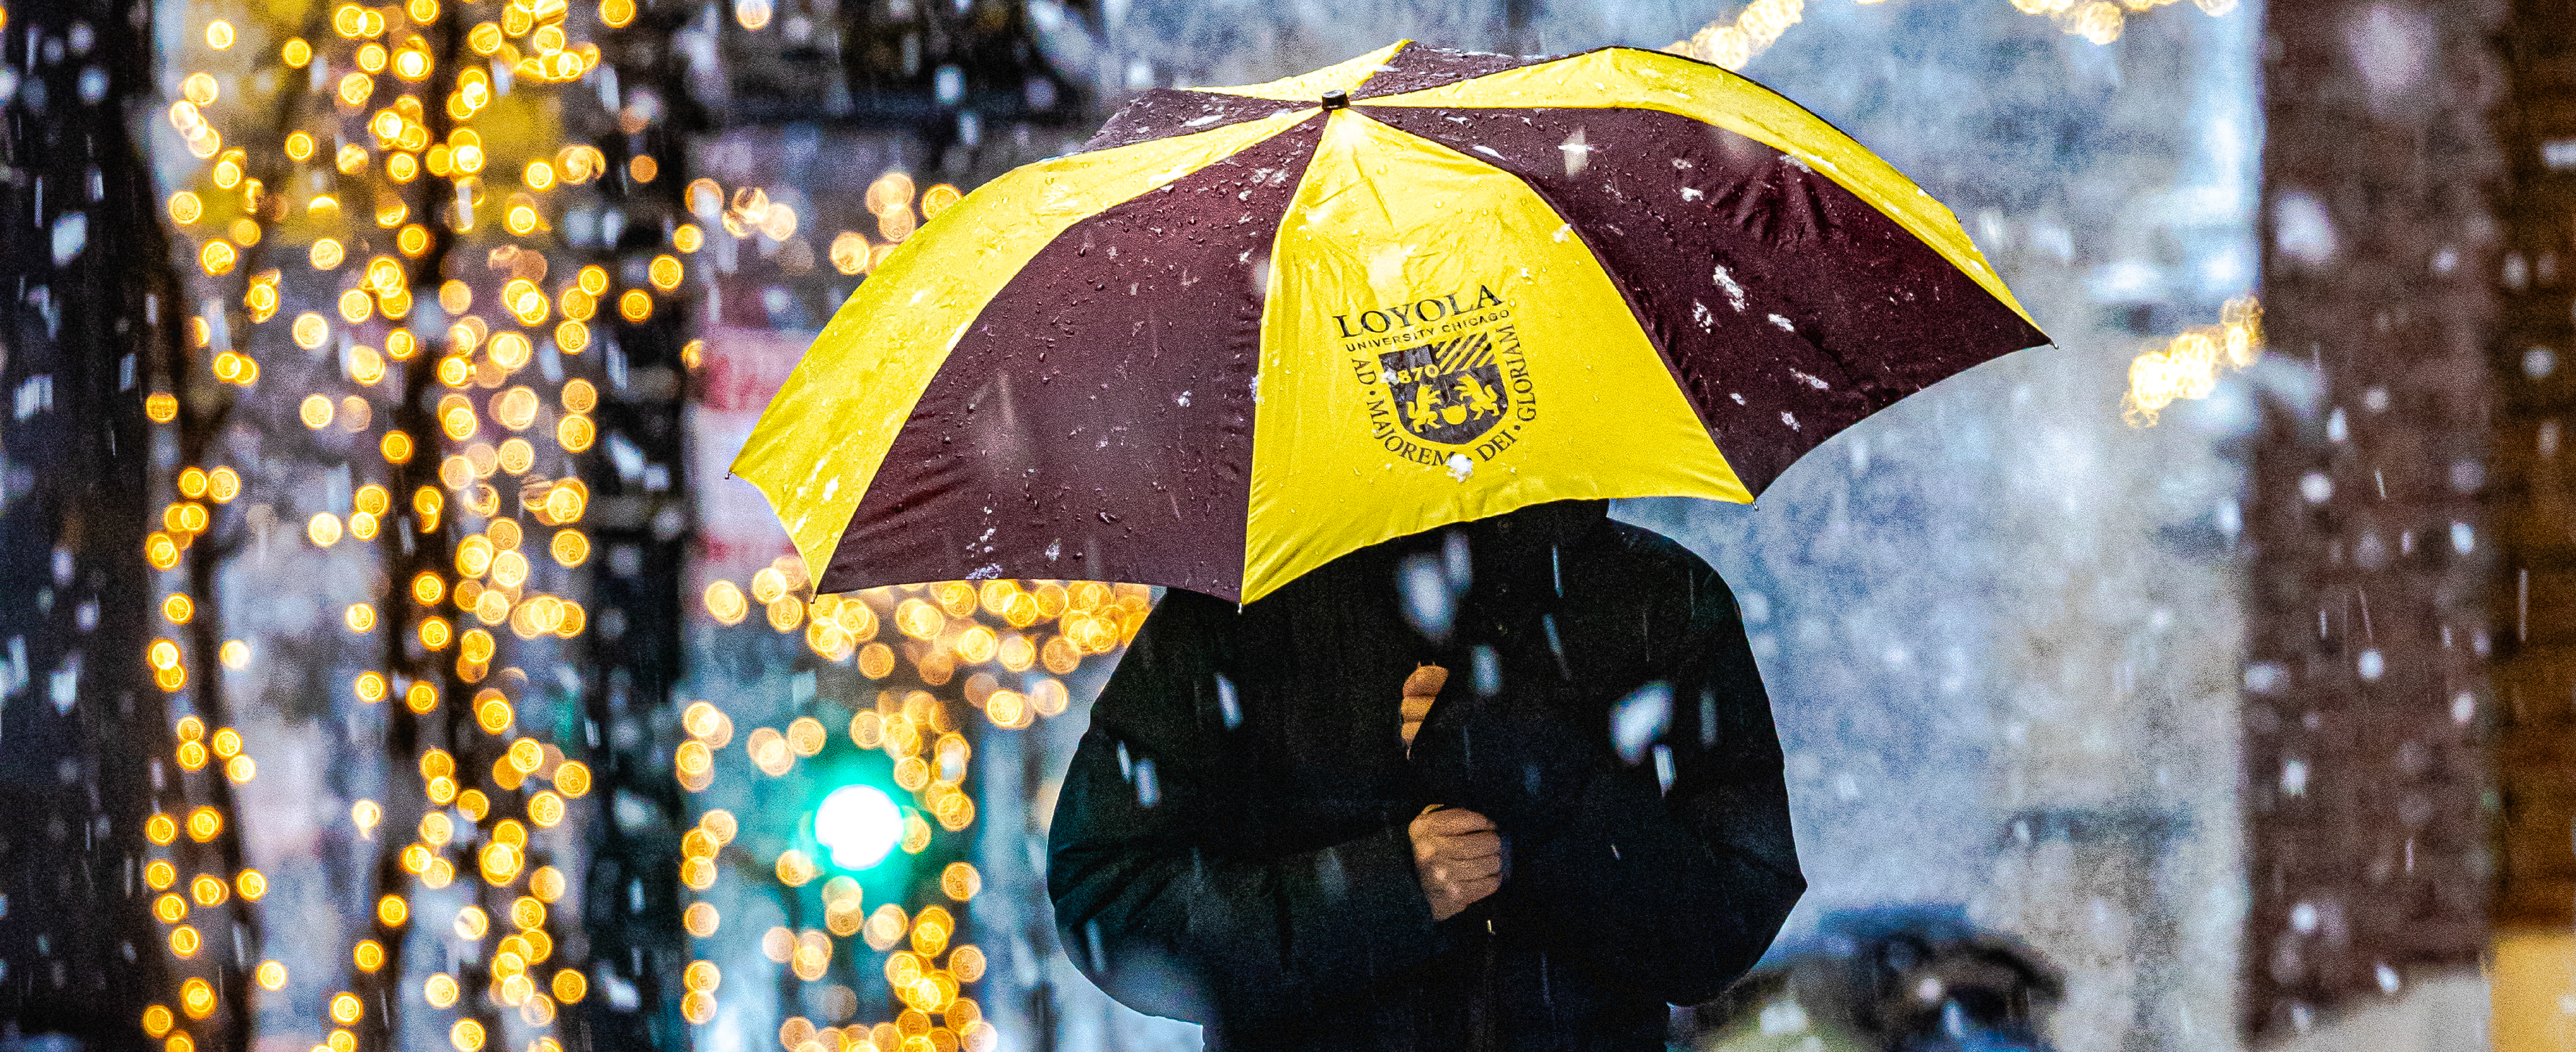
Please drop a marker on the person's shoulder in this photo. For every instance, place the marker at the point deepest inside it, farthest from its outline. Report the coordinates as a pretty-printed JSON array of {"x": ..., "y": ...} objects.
[
  {"x": 1646, "y": 553},
  {"x": 1633, "y": 565},
  {"x": 1187, "y": 618},
  {"x": 1185, "y": 603}
]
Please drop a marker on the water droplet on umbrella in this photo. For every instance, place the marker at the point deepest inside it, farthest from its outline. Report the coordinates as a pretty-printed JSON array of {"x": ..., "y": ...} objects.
[
  {"x": 1578, "y": 153},
  {"x": 1734, "y": 292}
]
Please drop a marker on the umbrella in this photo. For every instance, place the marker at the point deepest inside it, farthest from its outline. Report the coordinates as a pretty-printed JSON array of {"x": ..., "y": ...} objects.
[{"x": 1246, "y": 330}]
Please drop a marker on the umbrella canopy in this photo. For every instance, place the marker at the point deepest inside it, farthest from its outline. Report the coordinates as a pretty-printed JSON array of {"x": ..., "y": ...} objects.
[{"x": 1246, "y": 330}]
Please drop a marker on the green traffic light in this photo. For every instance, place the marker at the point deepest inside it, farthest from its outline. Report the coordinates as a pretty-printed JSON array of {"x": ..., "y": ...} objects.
[{"x": 859, "y": 825}]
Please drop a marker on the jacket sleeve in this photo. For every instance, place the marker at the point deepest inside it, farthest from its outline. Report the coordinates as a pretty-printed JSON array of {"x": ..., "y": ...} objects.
[
  {"x": 1154, "y": 902},
  {"x": 1677, "y": 872}
]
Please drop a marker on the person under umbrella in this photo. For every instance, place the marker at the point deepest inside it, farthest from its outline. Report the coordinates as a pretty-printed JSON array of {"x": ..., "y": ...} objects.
[{"x": 1257, "y": 834}]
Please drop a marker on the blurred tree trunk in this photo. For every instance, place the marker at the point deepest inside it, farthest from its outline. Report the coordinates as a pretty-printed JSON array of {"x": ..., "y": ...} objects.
[{"x": 87, "y": 310}]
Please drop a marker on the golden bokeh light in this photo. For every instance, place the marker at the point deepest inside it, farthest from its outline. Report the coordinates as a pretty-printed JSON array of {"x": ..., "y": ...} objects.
[
  {"x": 725, "y": 602},
  {"x": 701, "y": 920},
  {"x": 2189, "y": 365},
  {"x": 939, "y": 198},
  {"x": 217, "y": 257},
  {"x": 196, "y": 997},
  {"x": 493, "y": 712},
  {"x": 795, "y": 869},
  {"x": 440, "y": 990}
]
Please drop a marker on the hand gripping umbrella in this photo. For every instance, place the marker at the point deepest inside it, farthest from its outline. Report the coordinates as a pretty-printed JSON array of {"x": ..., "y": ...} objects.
[{"x": 1246, "y": 330}]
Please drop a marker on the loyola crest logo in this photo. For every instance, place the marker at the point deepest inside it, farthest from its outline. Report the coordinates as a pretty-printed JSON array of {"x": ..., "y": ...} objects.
[
  {"x": 1445, "y": 380},
  {"x": 1450, "y": 393}
]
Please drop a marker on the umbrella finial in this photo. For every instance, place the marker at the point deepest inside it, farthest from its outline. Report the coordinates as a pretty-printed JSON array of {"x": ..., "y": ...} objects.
[{"x": 1337, "y": 99}]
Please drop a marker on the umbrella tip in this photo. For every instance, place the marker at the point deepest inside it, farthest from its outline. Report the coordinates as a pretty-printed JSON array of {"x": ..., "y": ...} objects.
[{"x": 1336, "y": 99}]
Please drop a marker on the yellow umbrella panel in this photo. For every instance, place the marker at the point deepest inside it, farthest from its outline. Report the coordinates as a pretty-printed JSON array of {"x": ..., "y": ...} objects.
[{"x": 1251, "y": 329}]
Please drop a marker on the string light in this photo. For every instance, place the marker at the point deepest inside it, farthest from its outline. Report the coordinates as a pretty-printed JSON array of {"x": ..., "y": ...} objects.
[
  {"x": 493, "y": 441},
  {"x": 2188, "y": 366}
]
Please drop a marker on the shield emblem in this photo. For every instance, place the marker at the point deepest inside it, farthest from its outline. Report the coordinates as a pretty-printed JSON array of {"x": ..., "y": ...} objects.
[{"x": 1450, "y": 393}]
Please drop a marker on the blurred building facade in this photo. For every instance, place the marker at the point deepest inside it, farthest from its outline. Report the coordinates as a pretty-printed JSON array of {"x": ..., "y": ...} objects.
[{"x": 2366, "y": 671}]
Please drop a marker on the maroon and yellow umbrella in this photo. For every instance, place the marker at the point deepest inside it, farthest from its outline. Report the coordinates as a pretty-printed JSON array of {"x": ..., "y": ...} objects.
[{"x": 1247, "y": 330}]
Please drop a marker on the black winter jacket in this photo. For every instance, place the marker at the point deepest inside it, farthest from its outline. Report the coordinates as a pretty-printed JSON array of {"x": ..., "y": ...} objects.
[{"x": 1230, "y": 844}]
